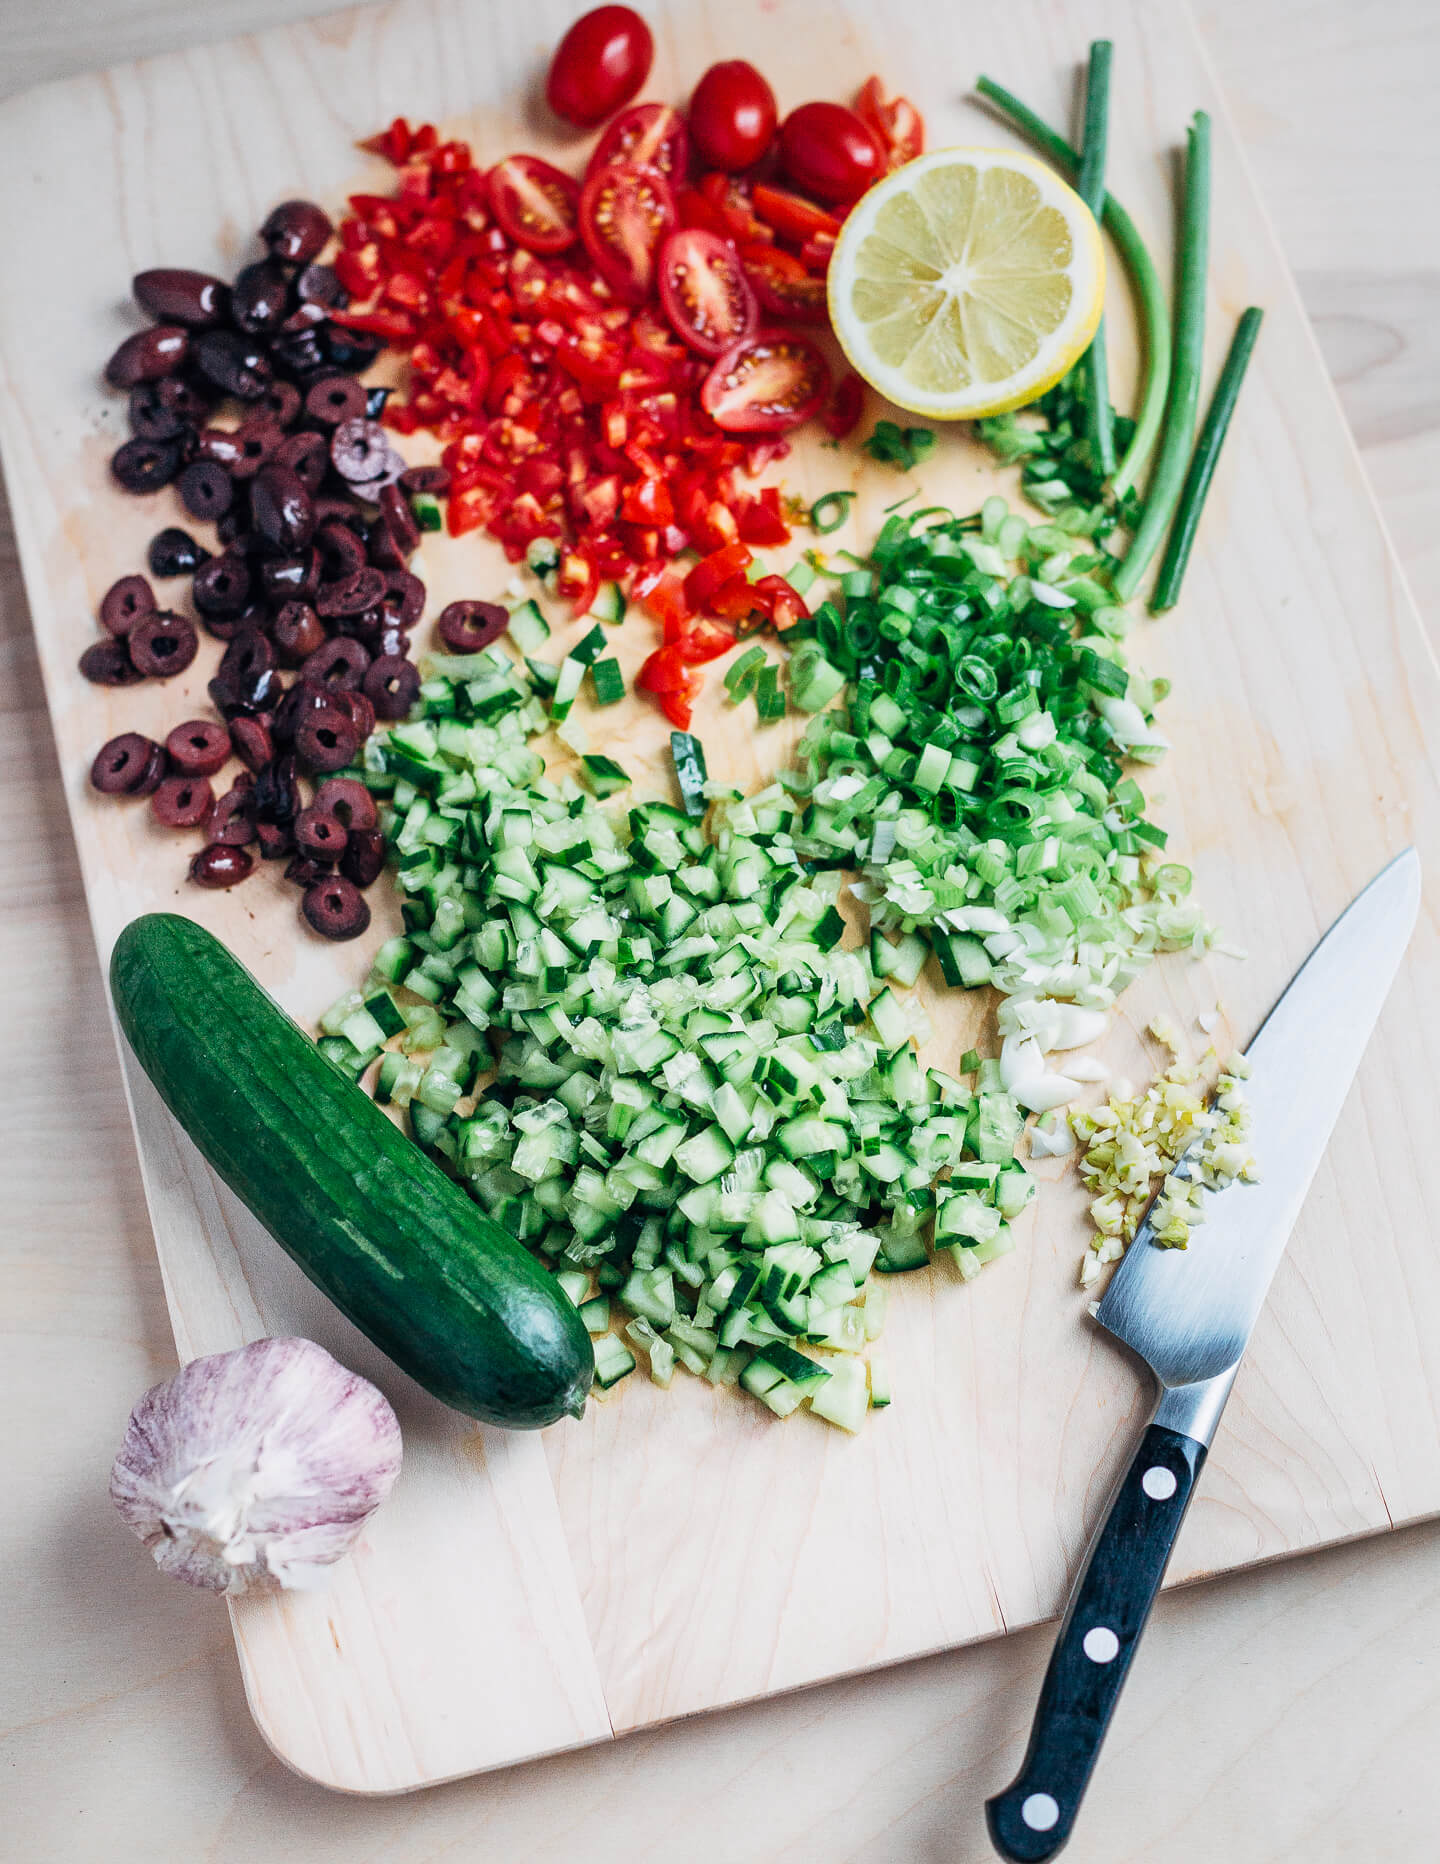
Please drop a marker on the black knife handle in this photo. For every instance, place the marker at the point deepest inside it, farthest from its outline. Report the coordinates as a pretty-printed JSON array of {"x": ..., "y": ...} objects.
[{"x": 1032, "y": 1819}]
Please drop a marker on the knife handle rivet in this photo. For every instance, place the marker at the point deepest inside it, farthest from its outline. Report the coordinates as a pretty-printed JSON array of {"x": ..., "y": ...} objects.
[
  {"x": 1159, "y": 1483},
  {"x": 1101, "y": 1644},
  {"x": 1040, "y": 1812}
]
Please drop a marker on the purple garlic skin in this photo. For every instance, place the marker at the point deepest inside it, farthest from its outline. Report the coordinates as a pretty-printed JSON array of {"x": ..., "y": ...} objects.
[{"x": 255, "y": 1470}]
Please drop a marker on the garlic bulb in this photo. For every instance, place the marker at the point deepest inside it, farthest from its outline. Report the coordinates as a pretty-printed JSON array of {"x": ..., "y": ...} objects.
[{"x": 256, "y": 1468}]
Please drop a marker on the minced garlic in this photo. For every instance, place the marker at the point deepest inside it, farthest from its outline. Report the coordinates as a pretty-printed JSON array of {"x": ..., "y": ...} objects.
[{"x": 1132, "y": 1144}]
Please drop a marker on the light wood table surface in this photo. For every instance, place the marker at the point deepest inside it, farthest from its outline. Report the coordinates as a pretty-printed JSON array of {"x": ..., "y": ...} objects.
[{"x": 1286, "y": 1714}]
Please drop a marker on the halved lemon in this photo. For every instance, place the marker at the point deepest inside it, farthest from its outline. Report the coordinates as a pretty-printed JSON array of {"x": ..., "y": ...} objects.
[{"x": 967, "y": 283}]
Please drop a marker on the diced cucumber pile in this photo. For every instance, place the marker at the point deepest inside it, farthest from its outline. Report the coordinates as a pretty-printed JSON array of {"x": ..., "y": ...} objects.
[{"x": 706, "y": 1114}]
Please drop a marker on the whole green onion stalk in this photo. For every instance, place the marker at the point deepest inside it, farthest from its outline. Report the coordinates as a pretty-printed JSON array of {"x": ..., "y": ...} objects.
[
  {"x": 1168, "y": 478},
  {"x": 1090, "y": 186},
  {"x": 1150, "y": 298}
]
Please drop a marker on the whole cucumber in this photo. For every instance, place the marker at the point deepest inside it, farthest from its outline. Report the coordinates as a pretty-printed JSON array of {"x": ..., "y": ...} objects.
[{"x": 397, "y": 1246}]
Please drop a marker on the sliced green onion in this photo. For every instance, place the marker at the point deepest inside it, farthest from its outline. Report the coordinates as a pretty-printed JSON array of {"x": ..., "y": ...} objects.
[
  {"x": 1163, "y": 492},
  {"x": 688, "y": 756},
  {"x": 902, "y": 447},
  {"x": 1149, "y": 294},
  {"x": 830, "y": 511},
  {"x": 741, "y": 677},
  {"x": 1202, "y": 466}
]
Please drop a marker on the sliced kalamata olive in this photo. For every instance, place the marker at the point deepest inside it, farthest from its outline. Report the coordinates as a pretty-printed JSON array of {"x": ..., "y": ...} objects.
[
  {"x": 242, "y": 695},
  {"x": 401, "y": 519},
  {"x": 162, "y": 645},
  {"x": 381, "y": 548},
  {"x": 222, "y": 586},
  {"x": 124, "y": 603},
  {"x": 340, "y": 662},
  {"x": 467, "y": 627},
  {"x": 257, "y": 441},
  {"x": 336, "y": 909},
  {"x": 276, "y": 840},
  {"x": 108, "y": 663},
  {"x": 404, "y": 600},
  {"x": 233, "y": 362},
  {"x": 297, "y": 632},
  {"x": 174, "y": 552},
  {"x": 282, "y": 401},
  {"x": 229, "y": 820},
  {"x": 189, "y": 397},
  {"x": 177, "y": 297},
  {"x": 222, "y": 864},
  {"x": 363, "y": 861},
  {"x": 247, "y": 654},
  {"x": 341, "y": 510},
  {"x": 151, "y": 415},
  {"x": 252, "y": 743},
  {"x": 259, "y": 298},
  {"x": 366, "y": 628},
  {"x": 282, "y": 508},
  {"x": 335, "y": 400},
  {"x": 359, "y": 447},
  {"x": 276, "y": 796},
  {"x": 148, "y": 355},
  {"x": 183, "y": 802},
  {"x": 325, "y": 739},
  {"x": 392, "y": 686},
  {"x": 252, "y": 619},
  {"x": 387, "y": 472},
  {"x": 299, "y": 352},
  {"x": 320, "y": 285},
  {"x": 145, "y": 465},
  {"x": 296, "y": 231},
  {"x": 432, "y": 479},
  {"x": 319, "y": 833},
  {"x": 349, "y": 799},
  {"x": 199, "y": 747},
  {"x": 307, "y": 456},
  {"x": 341, "y": 551},
  {"x": 357, "y": 708},
  {"x": 123, "y": 766},
  {"x": 220, "y": 444},
  {"x": 305, "y": 870},
  {"x": 352, "y": 595},
  {"x": 291, "y": 579},
  {"x": 353, "y": 350},
  {"x": 206, "y": 489}
]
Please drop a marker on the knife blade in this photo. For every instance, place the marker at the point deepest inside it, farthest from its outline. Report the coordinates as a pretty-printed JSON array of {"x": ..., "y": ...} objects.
[{"x": 1189, "y": 1313}]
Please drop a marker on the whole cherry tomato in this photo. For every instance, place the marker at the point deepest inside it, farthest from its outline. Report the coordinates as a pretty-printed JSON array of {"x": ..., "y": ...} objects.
[
  {"x": 732, "y": 115},
  {"x": 599, "y": 65},
  {"x": 826, "y": 150}
]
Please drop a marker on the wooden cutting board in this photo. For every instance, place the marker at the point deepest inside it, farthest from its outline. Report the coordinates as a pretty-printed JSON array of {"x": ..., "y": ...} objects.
[{"x": 679, "y": 1551}]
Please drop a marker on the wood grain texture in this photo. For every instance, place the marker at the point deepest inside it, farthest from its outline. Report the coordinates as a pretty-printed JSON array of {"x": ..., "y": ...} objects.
[{"x": 962, "y": 1519}]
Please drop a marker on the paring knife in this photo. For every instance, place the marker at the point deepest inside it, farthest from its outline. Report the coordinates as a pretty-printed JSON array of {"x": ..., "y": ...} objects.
[{"x": 1189, "y": 1313}]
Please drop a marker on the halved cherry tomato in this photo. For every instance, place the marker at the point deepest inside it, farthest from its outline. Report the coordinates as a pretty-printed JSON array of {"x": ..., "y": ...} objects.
[
  {"x": 845, "y": 407},
  {"x": 732, "y": 115},
  {"x": 673, "y": 683},
  {"x": 897, "y": 125},
  {"x": 705, "y": 640},
  {"x": 599, "y": 65},
  {"x": 705, "y": 292},
  {"x": 711, "y": 572},
  {"x": 817, "y": 252},
  {"x": 625, "y": 213},
  {"x": 535, "y": 203},
  {"x": 652, "y": 134},
  {"x": 782, "y": 284},
  {"x": 729, "y": 195},
  {"x": 826, "y": 150},
  {"x": 766, "y": 385},
  {"x": 792, "y": 215},
  {"x": 778, "y": 602}
]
